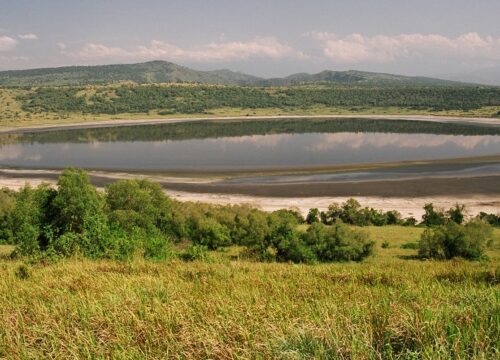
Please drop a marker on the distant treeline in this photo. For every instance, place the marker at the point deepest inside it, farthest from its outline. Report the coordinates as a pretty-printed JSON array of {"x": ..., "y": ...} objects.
[
  {"x": 181, "y": 99},
  {"x": 214, "y": 129}
]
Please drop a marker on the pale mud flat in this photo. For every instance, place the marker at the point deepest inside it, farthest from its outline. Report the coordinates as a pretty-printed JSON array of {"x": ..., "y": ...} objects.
[{"x": 407, "y": 206}]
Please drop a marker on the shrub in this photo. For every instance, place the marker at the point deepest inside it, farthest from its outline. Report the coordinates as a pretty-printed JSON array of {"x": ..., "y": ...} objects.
[
  {"x": 67, "y": 244},
  {"x": 456, "y": 213},
  {"x": 491, "y": 219},
  {"x": 157, "y": 248},
  {"x": 31, "y": 217},
  {"x": 7, "y": 204},
  {"x": 293, "y": 212},
  {"x": 77, "y": 203},
  {"x": 292, "y": 248},
  {"x": 210, "y": 233},
  {"x": 23, "y": 272},
  {"x": 375, "y": 217},
  {"x": 313, "y": 216},
  {"x": 197, "y": 253},
  {"x": 333, "y": 214},
  {"x": 410, "y": 245},
  {"x": 433, "y": 217},
  {"x": 393, "y": 217},
  {"x": 254, "y": 230},
  {"x": 338, "y": 242},
  {"x": 139, "y": 204},
  {"x": 385, "y": 245},
  {"x": 351, "y": 213},
  {"x": 409, "y": 221},
  {"x": 453, "y": 240}
]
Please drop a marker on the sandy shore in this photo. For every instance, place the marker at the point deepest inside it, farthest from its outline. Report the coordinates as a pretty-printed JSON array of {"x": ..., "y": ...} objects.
[
  {"x": 118, "y": 122},
  {"x": 407, "y": 206}
]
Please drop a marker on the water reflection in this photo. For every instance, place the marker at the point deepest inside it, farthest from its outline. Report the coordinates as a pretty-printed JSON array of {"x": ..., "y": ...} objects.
[{"x": 248, "y": 151}]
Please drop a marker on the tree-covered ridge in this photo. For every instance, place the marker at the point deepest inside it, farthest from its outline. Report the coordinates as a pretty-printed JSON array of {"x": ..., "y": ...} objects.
[
  {"x": 142, "y": 73},
  {"x": 166, "y": 72},
  {"x": 183, "y": 99},
  {"x": 215, "y": 129}
]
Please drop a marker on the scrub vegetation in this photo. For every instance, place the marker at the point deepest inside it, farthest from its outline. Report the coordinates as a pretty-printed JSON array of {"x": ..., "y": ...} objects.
[
  {"x": 129, "y": 272},
  {"x": 31, "y": 106}
]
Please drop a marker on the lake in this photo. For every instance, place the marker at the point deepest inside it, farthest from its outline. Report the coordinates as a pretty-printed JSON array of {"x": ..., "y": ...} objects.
[{"x": 248, "y": 145}]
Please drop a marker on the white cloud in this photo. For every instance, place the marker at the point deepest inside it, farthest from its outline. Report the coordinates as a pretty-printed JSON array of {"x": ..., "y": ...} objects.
[
  {"x": 7, "y": 43},
  {"x": 99, "y": 51},
  {"x": 28, "y": 36},
  {"x": 356, "y": 48},
  {"x": 260, "y": 47}
]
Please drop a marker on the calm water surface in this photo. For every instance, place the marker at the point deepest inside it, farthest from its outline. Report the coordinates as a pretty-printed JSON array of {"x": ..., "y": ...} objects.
[{"x": 232, "y": 146}]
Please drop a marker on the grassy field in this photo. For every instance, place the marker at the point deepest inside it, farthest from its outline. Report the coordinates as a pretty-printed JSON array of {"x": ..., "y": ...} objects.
[{"x": 390, "y": 306}]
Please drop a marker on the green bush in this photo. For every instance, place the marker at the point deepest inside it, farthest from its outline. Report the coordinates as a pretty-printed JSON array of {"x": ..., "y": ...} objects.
[
  {"x": 197, "y": 253},
  {"x": 351, "y": 212},
  {"x": 295, "y": 213},
  {"x": 68, "y": 244},
  {"x": 433, "y": 217},
  {"x": 409, "y": 221},
  {"x": 210, "y": 233},
  {"x": 454, "y": 240},
  {"x": 140, "y": 204},
  {"x": 157, "y": 248},
  {"x": 491, "y": 219},
  {"x": 31, "y": 218},
  {"x": 292, "y": 248},
  {"x": 410, "y": 245},
  {"x": 456, "y": 213},
  {"x": 7, "y": 204},
  {"x": 338, "y": 242},
  {"x": 77, "y": 203},
  {"x": 255, "y": 230},
  {"x": 393, "y": 217},
  {"x": 313, "y": 216}
]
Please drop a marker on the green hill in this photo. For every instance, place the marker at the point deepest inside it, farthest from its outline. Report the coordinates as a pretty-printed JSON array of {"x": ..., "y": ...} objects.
[
  {"x": 143, "y": 73},
  {"x": 356, "y": 77},
  {"x": 163, "y": 72}
]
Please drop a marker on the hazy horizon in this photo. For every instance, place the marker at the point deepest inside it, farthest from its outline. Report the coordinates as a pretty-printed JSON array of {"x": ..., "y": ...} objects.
[{"x": 457, "y": 40}]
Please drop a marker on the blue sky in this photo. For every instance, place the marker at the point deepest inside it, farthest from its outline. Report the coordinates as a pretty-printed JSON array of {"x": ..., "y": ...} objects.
[{"x": 261, "y": 37}]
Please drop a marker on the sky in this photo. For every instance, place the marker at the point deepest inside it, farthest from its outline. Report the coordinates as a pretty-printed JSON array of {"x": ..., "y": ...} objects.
[{"x": 457, "y": 39}]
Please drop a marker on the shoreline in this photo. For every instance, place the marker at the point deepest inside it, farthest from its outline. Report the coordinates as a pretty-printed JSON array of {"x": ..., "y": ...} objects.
[
  {"x": 406, "y": 205},
  {"x": 128, "y": 122}
]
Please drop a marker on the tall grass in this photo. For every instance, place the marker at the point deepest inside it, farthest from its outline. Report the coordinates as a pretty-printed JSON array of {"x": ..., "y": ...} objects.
[{"x": 385, "y": 307}]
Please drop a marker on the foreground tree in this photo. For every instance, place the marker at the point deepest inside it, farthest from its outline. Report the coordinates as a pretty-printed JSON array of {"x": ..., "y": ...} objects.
[{"x": 77, "y": 204}]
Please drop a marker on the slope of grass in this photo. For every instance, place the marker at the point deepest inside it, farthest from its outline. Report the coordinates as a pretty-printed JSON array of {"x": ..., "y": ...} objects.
[{"x": 386, "y": 307}]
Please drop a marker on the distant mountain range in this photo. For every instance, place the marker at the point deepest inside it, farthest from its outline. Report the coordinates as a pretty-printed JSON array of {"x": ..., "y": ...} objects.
[{"x": 154, "y": 72}]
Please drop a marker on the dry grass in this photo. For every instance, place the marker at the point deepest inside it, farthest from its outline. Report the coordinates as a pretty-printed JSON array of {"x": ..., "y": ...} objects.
[{"x": 386, "y": 307}]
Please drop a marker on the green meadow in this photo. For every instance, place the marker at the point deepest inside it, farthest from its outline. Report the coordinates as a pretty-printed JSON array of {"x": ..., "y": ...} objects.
[{"x": 391, "y": 305}]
